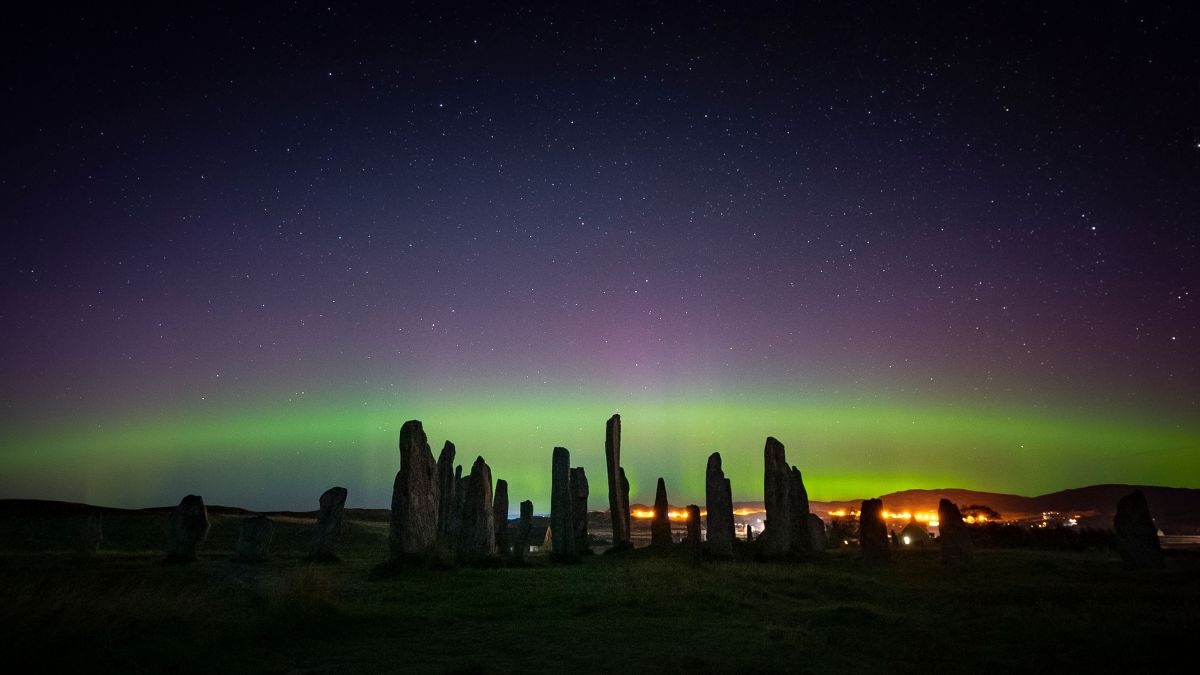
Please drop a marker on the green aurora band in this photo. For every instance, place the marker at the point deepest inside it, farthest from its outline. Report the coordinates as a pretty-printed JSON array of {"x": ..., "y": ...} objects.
[{"x": 274, "y": 455}]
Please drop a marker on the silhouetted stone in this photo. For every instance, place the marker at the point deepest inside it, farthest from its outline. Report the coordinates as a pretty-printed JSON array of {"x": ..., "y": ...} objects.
[
  {"x": 749, "y": 533},
  {"x": 187, "y": 529},
  {"x": 954, "y": 537},
  {"x": 414, "y": 521},
  {"x": 816, "y": 533},
  {"x": 579, "y": 510},
  {"x": 329, "y": 524},
  {"x": 618, "y": 487},
  {"x": 1137, "y": 536},
  {"x": 777, "y": 478},
  {"x": 693, "y": 526},
  {"x": 524, "y": 528},
  {"x": 798, "y": 522},
  {"x": 447, "y": 480},
  {"x": 872, "y": 531},
  {"x": 500, "y": 514},
  {"x": 561, "y": 521},
  {"x": 254, "y": 539},
  {"x": 91, "y": 533},
  {"x": 718, "y": 500},
  {"x": 458, "y": 497},
  {"x": 477, "y": 538},
  {"x": 660, "y": 525}
]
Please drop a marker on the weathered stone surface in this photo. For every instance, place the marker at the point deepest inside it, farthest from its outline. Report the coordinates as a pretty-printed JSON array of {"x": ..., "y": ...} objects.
[
  {"x": 329, "y": 523},
  {"x": 618, "y": 487},
  {"x": 187, "y": 530},
  {"x": 800, "y": 538},
  {"x": 91, "y": 533},
  {"x": 254, "y": 539},
  {"x": 524, "y": 528},
  {"x": 816, "y": 533},
  {"x": 447, "y": 480},
  {"x": 693, "y": 526},
  {"x": 579, "y": 510},
  {"x": 477, "y": 538},
  {"x": 561, "y": 521},
  {"x": 414, "y": 495},
  {"x": 954, "y": 537},
  {"x": 718, "y": 500},
  {"x": 777, "y": 478},
  {"x": 1137, "y": 536},
  {"x": 872, "y": 531},
  {"x": 660, "y": 525},
  {"x": 500, "y": 514}
]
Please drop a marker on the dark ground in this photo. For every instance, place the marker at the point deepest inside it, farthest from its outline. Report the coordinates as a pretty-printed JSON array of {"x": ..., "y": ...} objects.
[{"x": 1016, "y": 610}]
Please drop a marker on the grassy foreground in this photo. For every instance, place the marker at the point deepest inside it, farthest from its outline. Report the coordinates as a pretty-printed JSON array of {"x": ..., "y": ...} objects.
[{"x": 1015, "y": 610}]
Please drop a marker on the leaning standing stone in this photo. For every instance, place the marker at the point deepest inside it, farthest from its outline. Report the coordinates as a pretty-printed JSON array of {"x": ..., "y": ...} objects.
[
  {"x": 414, "y": 495},
  {"x": 618, "y": 487},
  {"x": 91, "y": 533},
  {"x": 188, "y": 528},
  {"x": 524, "y": 527},
  {"x": 561, "y": 521},
  {"x": 660, "y": 526},
  {"x": 500, "y": 514},
  {"x": 254, "y": 540},
  {"x": 872, "y": 531},
  {"x": 579, "y": 510},
  {"x": 329, "y": 523},
  {"x": 777, "y": 477},
  {"x": 800, "y": 538},
  {"x": 1137, "y": 536},
  {"x": 718, "y": 499},
  {"x": 953, "y": 536}
]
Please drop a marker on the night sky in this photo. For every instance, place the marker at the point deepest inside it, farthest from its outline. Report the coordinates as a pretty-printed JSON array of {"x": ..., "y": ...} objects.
[{"x": 925, "y": 246}]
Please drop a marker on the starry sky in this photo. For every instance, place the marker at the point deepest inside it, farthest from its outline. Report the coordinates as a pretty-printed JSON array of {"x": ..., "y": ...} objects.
[{"x": 925, "y": 245}]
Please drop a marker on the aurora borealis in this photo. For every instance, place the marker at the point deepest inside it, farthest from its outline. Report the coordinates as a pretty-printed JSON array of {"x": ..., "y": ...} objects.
[{"x": 949, "y": 247}]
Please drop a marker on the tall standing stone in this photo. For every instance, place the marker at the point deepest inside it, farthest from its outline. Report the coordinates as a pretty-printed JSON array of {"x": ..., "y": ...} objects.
[
  {"x": 777, "y": 478},
  {"x": 1137, "y": 536},
  {"x": 91, "y": 533},
  {"x": 872, "y": 531},
  {"x": 561, "y": 521},
  {"x": 953, "y": 536},
  {"x": 447, "y": 480},
  {"x": 188, "y": 528},
  {"x": 660, "y": 526},
  {"x": 477, "y": 538},
  {"x": 618, "y": 487},
  {"x": 524, "y": 528},
  {"x": 329, "y": 523},
  {"x": 718, "y": 500},
  {"x": 254, "y": 539},
  {"x": 800, "y": 538},
  {"x": 693, "y": 526},
  {"x": 458, "y": 497},
  {"x": 579, "y": 510},
  {"x": 414, "y": 495},
  {"x": 500, "y": 514}
]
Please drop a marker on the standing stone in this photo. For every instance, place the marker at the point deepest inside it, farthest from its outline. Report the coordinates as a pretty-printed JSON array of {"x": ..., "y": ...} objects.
[
  {"x": 91, "y": 533},
  {"x": 447, "y": 480},
  {"x": 254, "y": 539},
  {"x": 1137, "y": 536},
  {"x": 816, "y": 533},
  {"x": 872, "y": 531},
  {"x": 800, "y": 538},
  {"x": 618, "y": 487},
  {"x": 749, "y": 533},
  {"x": 414, "y": 495},
  {"x": 693, "y": 526},
  {"x": 458, "y": 498},
  {"x": 561, "y": 521},
  {"x": 660, "y": 526},
  {"x": 524, "y": 527},
  {"x": 953, "y": 535},
  {"x": 329, "y": 523},
  {"x": 579, "y": 510},
  {"x": 777, "y": 477},
  {"x": 718, "y": 500},
  {"x": 188, "y": 528},
  {"x": 500, "y": 514},
  {"x": 477, "y": 538}
]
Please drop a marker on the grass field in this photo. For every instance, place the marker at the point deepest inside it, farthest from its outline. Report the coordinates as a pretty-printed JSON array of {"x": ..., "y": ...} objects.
[{"x": 1014, "y": 611}]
